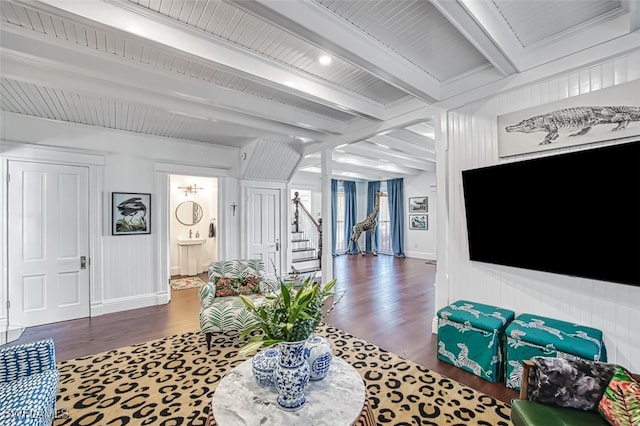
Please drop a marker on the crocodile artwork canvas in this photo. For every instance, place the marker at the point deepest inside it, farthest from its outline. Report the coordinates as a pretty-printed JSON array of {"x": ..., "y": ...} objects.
[
  {"x": 573, "y": 121},
  {"x": 579, "y": 120}
]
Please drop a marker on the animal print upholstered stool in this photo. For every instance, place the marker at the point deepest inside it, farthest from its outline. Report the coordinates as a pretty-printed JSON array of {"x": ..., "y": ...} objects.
[
  {"x": 532, "y": 335},
  {"x": 470, "y": 337}
]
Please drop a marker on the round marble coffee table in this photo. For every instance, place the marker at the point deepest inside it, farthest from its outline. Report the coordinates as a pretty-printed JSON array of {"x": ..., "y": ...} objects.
[{"x": 338, "y": 399}]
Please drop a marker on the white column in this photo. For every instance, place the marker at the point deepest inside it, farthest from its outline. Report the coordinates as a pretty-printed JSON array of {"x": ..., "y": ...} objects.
[
  {"x": 327, "y": 258},
  {"x": 229, "y": 232},
  {"x": 442, "y": 183}
]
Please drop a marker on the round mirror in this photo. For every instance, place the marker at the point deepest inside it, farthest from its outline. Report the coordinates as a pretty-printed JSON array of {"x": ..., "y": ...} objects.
[{"x": 189, "y": 213}]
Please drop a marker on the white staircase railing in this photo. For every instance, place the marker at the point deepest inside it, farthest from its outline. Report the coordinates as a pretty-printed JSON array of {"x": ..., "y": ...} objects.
[{"x": 306, "y": 229}]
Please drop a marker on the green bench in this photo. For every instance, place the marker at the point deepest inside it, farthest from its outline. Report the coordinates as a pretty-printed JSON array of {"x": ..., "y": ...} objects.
[
  {"x": 470, "y": 336},
  {"x": 531, "y": 335}
]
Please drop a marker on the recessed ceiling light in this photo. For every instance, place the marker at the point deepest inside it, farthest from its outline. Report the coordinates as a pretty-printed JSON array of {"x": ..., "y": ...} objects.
[
  {"x": 348, "y": 174},
  {"x": 324, "y": 60}
]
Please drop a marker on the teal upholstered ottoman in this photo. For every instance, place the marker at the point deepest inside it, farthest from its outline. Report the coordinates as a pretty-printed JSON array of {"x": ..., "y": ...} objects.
[
  {"x": 532, "y": 335},
  {"x": 470, "y": 337}
]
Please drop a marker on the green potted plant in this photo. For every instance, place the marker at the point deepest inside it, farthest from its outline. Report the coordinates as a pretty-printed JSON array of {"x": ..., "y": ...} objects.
[
  {"x": 289, "y": 316},
  {"x": 288, "y": 319}
]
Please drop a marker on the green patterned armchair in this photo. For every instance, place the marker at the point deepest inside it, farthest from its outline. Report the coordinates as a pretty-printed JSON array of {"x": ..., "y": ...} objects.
[{"x": 221, "y": 308}]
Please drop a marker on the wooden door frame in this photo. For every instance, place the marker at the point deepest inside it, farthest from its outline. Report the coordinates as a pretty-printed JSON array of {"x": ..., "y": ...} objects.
[
  {"x": 12, "y": 151},
  {"x": 284, "y": 189}
]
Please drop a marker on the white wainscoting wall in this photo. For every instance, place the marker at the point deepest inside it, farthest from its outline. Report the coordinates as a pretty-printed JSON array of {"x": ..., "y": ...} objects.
[
  {"x": 471, "y": 141},
  {"x": 126, "y": 270},
  {"x": 421, "y": 244}
]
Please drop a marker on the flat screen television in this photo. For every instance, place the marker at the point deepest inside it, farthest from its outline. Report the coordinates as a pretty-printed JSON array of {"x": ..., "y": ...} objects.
[{"x": 575, "y": 214}]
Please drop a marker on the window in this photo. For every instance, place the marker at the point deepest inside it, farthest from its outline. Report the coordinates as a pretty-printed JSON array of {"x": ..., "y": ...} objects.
[{"x": 384, "y": 228}]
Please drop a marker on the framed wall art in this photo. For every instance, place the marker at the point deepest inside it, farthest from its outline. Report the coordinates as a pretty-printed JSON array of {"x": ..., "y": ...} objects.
[
  {"x": 418, "y": 221},
  {"x": 418, "y": 204},
  {"x": 130, "y": 213},
  {"x": 601, "y": 115}
]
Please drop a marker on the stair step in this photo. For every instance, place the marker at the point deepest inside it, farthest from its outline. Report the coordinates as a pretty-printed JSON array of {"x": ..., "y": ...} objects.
[
  {"x": 303, "y": 254},
  {"x": 306, "y": 264},
  {"x": 299, "y": 241},
  {"x": 303, "y": 249},
  {"x": 308, "y": 270},
  {"x": 304, "y": 259}
]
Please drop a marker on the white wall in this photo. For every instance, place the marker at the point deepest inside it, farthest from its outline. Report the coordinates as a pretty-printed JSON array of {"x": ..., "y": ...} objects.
[
  {"x": 471, "y": 134},
  {"x": 127, "y": 271},
  {"x": 418, "y": 243}
]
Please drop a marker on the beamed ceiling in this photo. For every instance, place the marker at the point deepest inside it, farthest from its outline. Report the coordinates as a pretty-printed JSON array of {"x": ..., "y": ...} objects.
[{"x": 245, "y": 73}]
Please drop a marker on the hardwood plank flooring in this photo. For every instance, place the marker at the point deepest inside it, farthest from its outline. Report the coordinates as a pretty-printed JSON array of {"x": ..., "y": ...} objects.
[{"x": 388, "y": 302}]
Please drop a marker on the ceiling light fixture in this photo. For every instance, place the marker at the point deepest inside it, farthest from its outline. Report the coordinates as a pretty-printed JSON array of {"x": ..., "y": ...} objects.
[
  {"x": 387, "y": 167},
  {"x": 312, "y": 169},
  {"x": 191, "y": 189},
  {"x": 324, "y": 60}
]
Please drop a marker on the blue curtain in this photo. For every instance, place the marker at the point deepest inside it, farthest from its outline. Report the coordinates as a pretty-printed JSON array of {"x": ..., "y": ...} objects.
[
  {"x": 350, "y": 212},
  {"x": 372, "y": 189},
  {"x": 395, "y": 189},
  {"x": 334, "y": 214}
]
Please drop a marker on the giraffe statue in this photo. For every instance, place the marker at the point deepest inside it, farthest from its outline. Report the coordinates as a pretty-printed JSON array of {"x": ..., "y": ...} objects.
[{"x": 368, "y": 224}]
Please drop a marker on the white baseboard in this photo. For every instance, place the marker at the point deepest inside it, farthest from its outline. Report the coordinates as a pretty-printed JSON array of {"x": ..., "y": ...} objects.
[
  {"x": 175, "y": 270},
  {"x": 420, "y": 255},
  {"x": 163, "y": 298},
  {"x": 127, "y": 303},
  {"x": 434, "y": 325},
  {"x": 96, "y": 310}
]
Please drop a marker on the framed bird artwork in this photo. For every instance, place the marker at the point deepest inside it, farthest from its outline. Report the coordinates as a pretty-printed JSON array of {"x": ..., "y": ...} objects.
[{"x": 130, "y": 213}]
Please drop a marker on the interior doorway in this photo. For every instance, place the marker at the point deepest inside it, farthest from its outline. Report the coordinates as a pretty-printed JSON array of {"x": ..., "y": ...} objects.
[
  {"x": 48, "y": 243},
  {"x": 193, "y": 228},
  {"x": 264, "y": 228}
]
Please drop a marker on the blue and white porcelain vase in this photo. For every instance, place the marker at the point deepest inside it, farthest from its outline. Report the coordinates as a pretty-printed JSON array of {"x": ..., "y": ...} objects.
[
  {"x": 319, "y": 353},
  {"x": 264, "y": 365},
  {"x": 291, "y": 376}
]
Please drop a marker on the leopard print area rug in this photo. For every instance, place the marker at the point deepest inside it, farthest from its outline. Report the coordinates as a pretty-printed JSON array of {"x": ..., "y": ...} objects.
[{"x": 171, "y": 382}]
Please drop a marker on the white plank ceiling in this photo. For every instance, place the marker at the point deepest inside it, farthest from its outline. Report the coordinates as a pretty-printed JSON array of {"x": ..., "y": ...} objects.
[{"x": 244, "y": 73}]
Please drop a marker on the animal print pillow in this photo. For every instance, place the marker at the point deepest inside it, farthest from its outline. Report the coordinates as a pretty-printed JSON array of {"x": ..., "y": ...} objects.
[
  {"x": 620, "y": 404},
  {"x": 569, "y": 383}
]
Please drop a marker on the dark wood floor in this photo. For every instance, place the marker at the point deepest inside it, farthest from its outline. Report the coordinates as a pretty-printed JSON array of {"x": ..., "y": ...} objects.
[{"x": 388, "y": 302}]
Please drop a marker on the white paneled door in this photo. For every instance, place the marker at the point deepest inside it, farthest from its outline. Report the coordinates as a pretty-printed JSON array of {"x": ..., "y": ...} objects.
[
  {"x": 48, "y": 243},
  {"x": 264, "y": 228}
]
